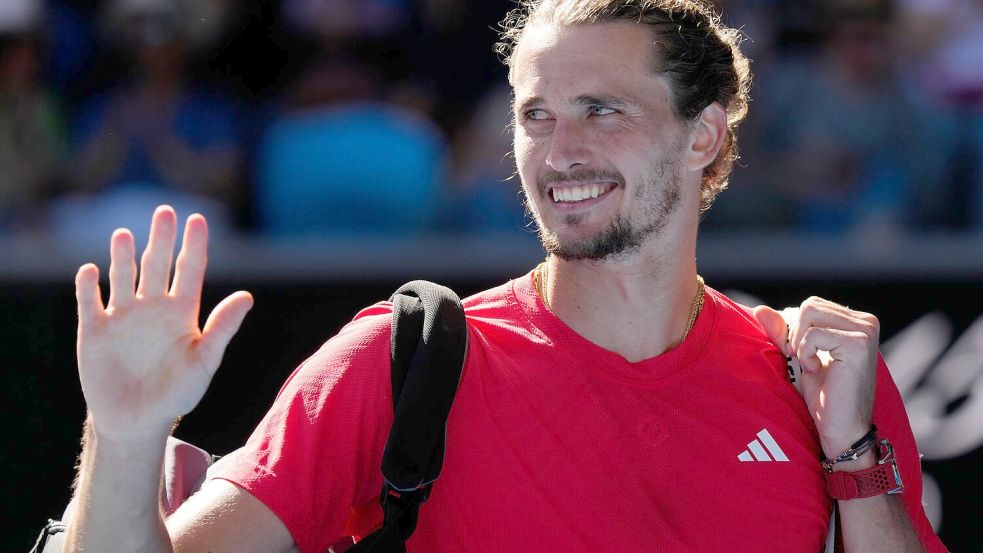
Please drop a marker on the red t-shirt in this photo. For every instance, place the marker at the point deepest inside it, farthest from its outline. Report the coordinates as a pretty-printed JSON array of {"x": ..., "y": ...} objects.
[{"x": 555, "y": 444}]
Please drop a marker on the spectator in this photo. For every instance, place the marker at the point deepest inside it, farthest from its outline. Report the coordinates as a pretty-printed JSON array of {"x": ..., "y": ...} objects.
[
  {"x": 69, "y": 44},
  {"x": 943, "y": 62},
  {"x": 155, "y": 138},
  {"x": 943, "y": 49},
  {"x": 861, "y": 153},
  {"x": 346, "y": 19},
  {"x": 351, "y": 168},
  {"x": 755, "y": 201},
  {"x": 31, "y": 132},
  {"x": 339, "y": 157},
  {"x": 483, "y": 195}
]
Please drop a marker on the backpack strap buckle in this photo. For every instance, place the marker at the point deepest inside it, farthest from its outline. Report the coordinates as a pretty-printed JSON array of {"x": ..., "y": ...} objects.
[{"x": 401, "y": 508}]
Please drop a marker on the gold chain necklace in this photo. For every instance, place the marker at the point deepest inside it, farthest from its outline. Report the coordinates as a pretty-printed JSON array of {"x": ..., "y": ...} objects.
[{"x": 542, "y": 272}]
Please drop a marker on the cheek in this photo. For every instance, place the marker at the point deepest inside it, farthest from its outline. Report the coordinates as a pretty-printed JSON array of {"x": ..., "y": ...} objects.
[
  {"x": 618, "y": 133},
  {"x": 525, "y": 148},
  {"x": 529, "y": 160}
]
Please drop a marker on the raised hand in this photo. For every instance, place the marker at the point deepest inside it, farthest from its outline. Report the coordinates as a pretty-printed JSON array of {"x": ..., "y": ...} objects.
[
  {"x": 142, "y": 359},
  {"x": 837, "y": 350}
]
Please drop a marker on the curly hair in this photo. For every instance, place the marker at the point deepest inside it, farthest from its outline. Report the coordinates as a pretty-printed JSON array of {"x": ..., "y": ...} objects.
[{"x": 700, "y": 55}]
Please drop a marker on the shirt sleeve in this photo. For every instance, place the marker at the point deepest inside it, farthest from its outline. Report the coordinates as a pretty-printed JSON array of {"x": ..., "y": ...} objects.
[
  {"x": 892, "y": 423},
  {"x": 316, "y": 454}
]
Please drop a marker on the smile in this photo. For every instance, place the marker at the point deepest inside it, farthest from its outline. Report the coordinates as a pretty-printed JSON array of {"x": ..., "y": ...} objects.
[{"x": 580, "y": 192}]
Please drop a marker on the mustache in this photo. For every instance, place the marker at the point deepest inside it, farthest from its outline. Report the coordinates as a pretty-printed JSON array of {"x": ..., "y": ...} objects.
[{"x": 584, "y": 175}]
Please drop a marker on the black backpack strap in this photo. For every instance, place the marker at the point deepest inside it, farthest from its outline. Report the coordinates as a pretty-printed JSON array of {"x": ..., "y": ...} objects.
[{"x": 429, "y": 342}]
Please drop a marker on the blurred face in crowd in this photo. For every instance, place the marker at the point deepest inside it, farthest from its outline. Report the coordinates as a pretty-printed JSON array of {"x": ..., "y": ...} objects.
[
  {"x": 862, "y": 49},
  {"x": 157, "y": 44},
  {"x": 597, "y": 142},
  {"x": 18, "y": 63}
]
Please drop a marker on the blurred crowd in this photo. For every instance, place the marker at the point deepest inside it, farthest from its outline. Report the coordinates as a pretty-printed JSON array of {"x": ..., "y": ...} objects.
[{"x": 390, "y": 117}]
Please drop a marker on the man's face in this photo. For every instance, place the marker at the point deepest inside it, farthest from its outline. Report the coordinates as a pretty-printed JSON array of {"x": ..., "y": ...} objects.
[{"x": 597, "y": 143}]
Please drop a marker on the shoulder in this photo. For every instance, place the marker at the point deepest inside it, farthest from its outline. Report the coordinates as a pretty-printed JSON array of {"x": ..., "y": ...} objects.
[
  {"x": 498, "y": 311},
  {"x": 355, "y": 359},
  {"x": 490, "y": 301},
  {"x": 358, "y": 355},
  {"x": 735, "y": 319},
  {"x": 739, "y": 342}
]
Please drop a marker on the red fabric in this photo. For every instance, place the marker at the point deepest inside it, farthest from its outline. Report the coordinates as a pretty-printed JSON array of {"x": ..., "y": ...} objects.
[
  {"x": 892, "y": 423},
  {"x": 555, "y": 444}
]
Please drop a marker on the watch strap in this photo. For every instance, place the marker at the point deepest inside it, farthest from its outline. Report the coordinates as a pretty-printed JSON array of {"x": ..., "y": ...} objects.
[
  {"x": 876, "y": 480},
  {"x": 884, "y": 477}
]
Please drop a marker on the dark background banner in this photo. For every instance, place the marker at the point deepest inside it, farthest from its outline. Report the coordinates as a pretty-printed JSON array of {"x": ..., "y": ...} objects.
[{"x": 291, "y": 319}]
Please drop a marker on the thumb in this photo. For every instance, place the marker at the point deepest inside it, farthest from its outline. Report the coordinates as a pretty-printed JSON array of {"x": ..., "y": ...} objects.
[
  {"x": 775, "y": 327},
  {"x": 222, "y": 324}
]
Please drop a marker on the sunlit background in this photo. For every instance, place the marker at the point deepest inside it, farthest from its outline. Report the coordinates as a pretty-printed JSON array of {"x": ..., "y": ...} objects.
[{"x": 340, "y": 147}]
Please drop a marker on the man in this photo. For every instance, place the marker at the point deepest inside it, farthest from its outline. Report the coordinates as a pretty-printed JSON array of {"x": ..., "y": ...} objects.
[{"x": 608, "y": 398}]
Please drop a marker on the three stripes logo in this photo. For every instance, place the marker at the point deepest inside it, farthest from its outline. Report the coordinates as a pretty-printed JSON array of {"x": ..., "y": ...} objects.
[{"x": 756, "y": 452}]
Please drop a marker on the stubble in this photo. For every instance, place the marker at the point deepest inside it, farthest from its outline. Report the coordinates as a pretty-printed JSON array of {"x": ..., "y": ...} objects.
[{"x": 659, "y": 195}]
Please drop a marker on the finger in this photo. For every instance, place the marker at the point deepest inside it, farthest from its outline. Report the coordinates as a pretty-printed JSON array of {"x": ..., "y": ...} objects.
[
  {"x": 812, "y": 385},
  {"x": 155, "y": 266},
  {"x": 189, "y": 271},
  {"x": 817, "y": 312},
  {"x": 824, "y": 347},
  {"x": 88, "y": 295},
  {"x": 221, "y": 325},
  {"x": 122, "y": 268},
  {"x": 774, "y": 326}
]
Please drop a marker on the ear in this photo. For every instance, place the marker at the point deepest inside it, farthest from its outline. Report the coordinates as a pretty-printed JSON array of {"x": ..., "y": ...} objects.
[{"x": 707, "y": 137}]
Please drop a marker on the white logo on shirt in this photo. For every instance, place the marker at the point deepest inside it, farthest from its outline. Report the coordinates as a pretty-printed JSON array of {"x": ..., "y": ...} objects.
[{"x": 755, "y": 451}]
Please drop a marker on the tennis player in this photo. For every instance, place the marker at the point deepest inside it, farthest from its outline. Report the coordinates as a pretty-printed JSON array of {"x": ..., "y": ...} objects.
[{"x": 611, "y": 399}]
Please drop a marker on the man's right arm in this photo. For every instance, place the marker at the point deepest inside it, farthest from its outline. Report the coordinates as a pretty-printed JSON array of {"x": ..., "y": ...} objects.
[
  {"x": 143, "y": 362},
  {"x": 118, "y": 503}
]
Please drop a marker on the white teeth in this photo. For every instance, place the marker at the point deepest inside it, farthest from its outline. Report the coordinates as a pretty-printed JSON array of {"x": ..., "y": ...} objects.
[{"x": 578, "y": 193}]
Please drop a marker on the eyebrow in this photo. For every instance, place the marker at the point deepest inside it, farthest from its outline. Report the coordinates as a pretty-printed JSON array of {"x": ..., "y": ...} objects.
[
  {"x": 602, "y": 100},
  {"x": 582, "y": 100},
  {"x": 528, "y": 103}
]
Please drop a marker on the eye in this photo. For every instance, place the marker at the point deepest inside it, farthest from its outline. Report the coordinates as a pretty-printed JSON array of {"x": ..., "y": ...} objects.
[
  {"x": 537, "y": 114},
  {"x": 600, "y": 110}
]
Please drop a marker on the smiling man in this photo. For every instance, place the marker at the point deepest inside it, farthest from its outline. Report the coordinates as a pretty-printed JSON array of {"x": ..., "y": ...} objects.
[{"x": 610, "y": 399}]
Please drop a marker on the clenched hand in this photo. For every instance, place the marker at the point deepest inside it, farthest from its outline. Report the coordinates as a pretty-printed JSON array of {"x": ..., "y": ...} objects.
[{"x": 837, "y": 349}]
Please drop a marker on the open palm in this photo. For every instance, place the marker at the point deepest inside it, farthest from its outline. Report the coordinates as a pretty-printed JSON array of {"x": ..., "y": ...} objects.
[{"x": 142, "y": 359}]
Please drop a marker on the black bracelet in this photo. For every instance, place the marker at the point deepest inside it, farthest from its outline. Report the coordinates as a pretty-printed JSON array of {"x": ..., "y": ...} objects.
[{"x": 858, "y": 448}]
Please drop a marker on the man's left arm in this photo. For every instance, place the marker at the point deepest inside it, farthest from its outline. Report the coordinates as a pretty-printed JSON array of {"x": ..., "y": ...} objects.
[{"x": 847, "y": 388}]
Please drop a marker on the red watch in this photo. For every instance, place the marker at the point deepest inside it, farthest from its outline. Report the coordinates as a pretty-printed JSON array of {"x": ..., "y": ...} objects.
[{"x": 879, "y": 479}]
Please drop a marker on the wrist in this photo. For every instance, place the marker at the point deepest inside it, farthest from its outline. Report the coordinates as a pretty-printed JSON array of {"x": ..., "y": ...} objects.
[
  {"x": 858, "y": 455},
  {"x": 833, "y": 444},
  {"x": 134, "y": 437}
]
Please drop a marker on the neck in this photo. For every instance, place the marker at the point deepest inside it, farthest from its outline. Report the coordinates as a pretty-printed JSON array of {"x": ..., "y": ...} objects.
[{"x": 637, "y": 307}]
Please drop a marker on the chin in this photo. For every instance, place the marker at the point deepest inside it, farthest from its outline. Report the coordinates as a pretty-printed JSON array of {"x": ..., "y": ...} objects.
[{"x": 617, "y": 240}]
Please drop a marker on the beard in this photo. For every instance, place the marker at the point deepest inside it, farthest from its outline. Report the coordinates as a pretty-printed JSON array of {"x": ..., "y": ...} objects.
[{"x": 658, "y": 194}]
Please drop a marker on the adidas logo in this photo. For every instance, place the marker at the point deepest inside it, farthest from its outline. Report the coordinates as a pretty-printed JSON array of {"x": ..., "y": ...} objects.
[{"x": 755, "y": 449}]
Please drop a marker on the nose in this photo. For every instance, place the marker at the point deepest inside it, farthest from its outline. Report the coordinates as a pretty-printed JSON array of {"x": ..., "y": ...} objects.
[{"x": 569, "y": 146}]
